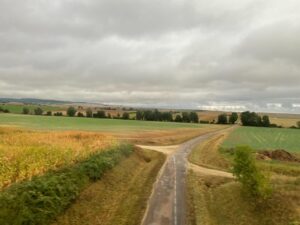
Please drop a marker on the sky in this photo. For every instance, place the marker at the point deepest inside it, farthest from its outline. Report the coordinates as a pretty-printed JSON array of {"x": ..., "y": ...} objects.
[{"x": 203, "y": 54}]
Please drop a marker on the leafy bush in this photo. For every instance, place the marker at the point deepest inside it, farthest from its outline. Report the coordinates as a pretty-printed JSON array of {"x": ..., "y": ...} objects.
[
  {"x": 25, "y": 110},
  {"x": 71, "y": 111},
  {"x": 38, "y": 111},
  {"x": 43, "y": 198},
  {"x": 246, "y": 172}
]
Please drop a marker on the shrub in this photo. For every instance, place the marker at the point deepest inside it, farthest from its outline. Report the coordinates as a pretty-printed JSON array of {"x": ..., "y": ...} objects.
[
  {"x": 125, "y": 116},
  {"x": 38, "y": 111},
  {"x": 80, "y": 114},
  {"x": 25, "y": 110},
  {"x": 49, "y": 113},
  {"x": 6, "y": 111},
  {"x": 233, "y": 118},
  {"x": 298, "y": 124},
  {"x": 194, "y": 117},
  {"x": 71, "y": 111},
  {"x": 89, "y": 112},
  {"x": 58, "y": 114},
  {"x": 254, "y": 182},
  {"x": 204, "y": 121},
  {"x": 99, "y": 114},
  {"x": 178, "y": 118},
  {"x": 222, "y": 119}
]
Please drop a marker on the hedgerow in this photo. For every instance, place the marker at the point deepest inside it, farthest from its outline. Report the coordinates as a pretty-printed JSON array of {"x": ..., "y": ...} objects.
[{"x": 43, "y": 198}]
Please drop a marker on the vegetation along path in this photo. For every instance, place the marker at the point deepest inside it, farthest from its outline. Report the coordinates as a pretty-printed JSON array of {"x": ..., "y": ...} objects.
[{"x": 167, "y": 203}]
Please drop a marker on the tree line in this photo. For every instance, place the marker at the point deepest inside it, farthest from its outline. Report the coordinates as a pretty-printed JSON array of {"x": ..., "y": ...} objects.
[{"x": 247, "y": 119}]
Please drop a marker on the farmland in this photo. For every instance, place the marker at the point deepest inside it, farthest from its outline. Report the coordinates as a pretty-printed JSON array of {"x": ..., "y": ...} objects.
[
  {"x": 162, "y": 133},
  {"x": 264, "y": 138},
  {"x": 26, "y": 154},
  {"x": 18, "y": 108}
]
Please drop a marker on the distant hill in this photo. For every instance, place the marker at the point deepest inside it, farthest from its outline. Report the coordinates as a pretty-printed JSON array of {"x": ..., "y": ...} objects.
[{"x": 33, "y": 101}]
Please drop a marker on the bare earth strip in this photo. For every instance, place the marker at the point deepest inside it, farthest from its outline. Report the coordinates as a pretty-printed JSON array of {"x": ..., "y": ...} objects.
[{"x": 167, "y": 204}]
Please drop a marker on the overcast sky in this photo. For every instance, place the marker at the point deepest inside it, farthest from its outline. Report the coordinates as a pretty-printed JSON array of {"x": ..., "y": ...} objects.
[{"x": 207, "y": 54}]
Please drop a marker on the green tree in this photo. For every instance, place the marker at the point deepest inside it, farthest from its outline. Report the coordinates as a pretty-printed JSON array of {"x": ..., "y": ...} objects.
[
  {"x": 125, "y": 116},
  {"x": 25, "y": 110},
  {"x": 194, "y": 117},
  {"x": 245, "y": 170},
  {"x": 233, "y": 118},
  {"x": 49, "y": 113},
  {"x": 38, "y": 111},
  {"x": 222, "y": 119},
  {"x": 80, "y": 114},
  {"x": 265, "y": 121},
  {"x": 186, "y": 117},
  {"x": 89, "y": 112},
  {"x": 139, "y": 115},
  {"x": 71, "y": 111},
  {"x": 178, "y": 119},
  {"x": 298, "y": 124}
]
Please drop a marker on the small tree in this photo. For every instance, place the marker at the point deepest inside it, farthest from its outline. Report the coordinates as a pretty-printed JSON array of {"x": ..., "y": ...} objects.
[
  {"x": 222, "y": 119},
  {"x": 139, "y": 115},
  {"x": 178, "y": 119},
  {"x": 71, "y": 111},
  {"x": 186, "y": 117},
  {"x": 89, "y": 112},
  {"x": 298, "y": 124},
  {"x": 49, "y": 113},
  {"x": 38, "y": 111},
  {"x": 233, "y": 118},
  {"x": 245, "y": 170},
  {"x": 25, "y": 110},
  {"x": 125, "y": 116},
  {"x": 194, "y": 117},
  {"x": 80, "y": 114},
  {"x": 265, "y": 121}
]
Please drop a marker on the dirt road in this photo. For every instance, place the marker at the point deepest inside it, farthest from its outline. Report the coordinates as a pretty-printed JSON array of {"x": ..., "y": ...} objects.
[{"x": 167, "y": 205}]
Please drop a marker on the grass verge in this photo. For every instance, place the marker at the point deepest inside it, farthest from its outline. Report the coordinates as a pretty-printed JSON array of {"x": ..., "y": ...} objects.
[
  {"x": 220, "y": 201},
  {"x": 120, "y": 197},
  {"x": 43, "y": 198}
]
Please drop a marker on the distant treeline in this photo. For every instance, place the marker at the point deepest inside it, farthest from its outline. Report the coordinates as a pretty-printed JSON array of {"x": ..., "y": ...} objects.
[{"x": 246, "y": 118}]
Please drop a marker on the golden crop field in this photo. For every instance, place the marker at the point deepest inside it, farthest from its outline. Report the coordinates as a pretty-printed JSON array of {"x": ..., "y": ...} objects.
[{"x": 24, "y": 154}]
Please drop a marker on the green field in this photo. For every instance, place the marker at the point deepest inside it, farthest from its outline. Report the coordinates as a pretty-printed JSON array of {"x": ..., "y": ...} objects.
[
  {"x": 19, "y": 108},
  {"x": 264, "y": 138},
  {"x": 88, "y": 124}
]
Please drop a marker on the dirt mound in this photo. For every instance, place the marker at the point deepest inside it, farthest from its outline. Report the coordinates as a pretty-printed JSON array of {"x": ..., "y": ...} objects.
[{"x": 279, "y": 154}]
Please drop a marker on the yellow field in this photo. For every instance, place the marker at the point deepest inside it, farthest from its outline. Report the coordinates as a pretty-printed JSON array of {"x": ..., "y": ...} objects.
[{"x": 24, "y": 154}]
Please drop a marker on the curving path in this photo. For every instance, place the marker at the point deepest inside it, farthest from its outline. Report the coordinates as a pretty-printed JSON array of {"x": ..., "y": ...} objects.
[{"x": 167, "y": 205}]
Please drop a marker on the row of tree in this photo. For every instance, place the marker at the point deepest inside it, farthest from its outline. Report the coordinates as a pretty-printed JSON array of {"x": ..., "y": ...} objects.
[
  {"x": 224, "y": 119},
  {"x": 4, "y": 110},
  {"x": 155, "y": 115},
  {"x": 247, "y": 119}
]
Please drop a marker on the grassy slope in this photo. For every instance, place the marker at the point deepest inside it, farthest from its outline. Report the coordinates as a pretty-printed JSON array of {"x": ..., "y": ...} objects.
[
  {"x": 120, "y": 197},
  {"x": 19, "y": 108},
  {"x": 207, "y": 154},
  {"x": 219, "y": 201},
  {"x": 265, "y": 138},
  {"x": 92, "y": 124}
]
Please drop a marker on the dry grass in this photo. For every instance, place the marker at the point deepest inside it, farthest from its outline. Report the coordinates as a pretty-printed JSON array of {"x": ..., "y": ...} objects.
[
  {"x": 120, "y": 197},
  {"x": 24, "y": 154},
  {"x": 217, "y": 201},
  {"x": 207, "y": 154},
  {"x": 167, "y": 137}
]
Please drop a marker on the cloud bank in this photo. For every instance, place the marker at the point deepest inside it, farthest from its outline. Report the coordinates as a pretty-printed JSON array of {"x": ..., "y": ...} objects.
[{"x": 228, "y": 55}]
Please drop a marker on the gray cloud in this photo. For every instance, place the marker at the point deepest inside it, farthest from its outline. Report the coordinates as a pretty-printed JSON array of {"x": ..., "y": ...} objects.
[{"x": 225, "y": 54}]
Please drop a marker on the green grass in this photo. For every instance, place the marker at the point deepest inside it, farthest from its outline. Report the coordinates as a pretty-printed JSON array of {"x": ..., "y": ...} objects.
[
  {"x": 19, "y": 108},
  {"x": 91, "y": 124},
  {"x": 264, "y": 138}
]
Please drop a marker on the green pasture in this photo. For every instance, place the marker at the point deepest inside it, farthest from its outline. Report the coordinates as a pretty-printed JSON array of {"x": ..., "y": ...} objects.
[
  {"x": 19, "y": 108},
  {"x": 265, "y": 138},
  {"x": 92, "y": 124}
]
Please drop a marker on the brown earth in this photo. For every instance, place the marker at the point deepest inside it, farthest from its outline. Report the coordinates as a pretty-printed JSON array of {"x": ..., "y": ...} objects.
[{"x": 279, "y": 154}]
